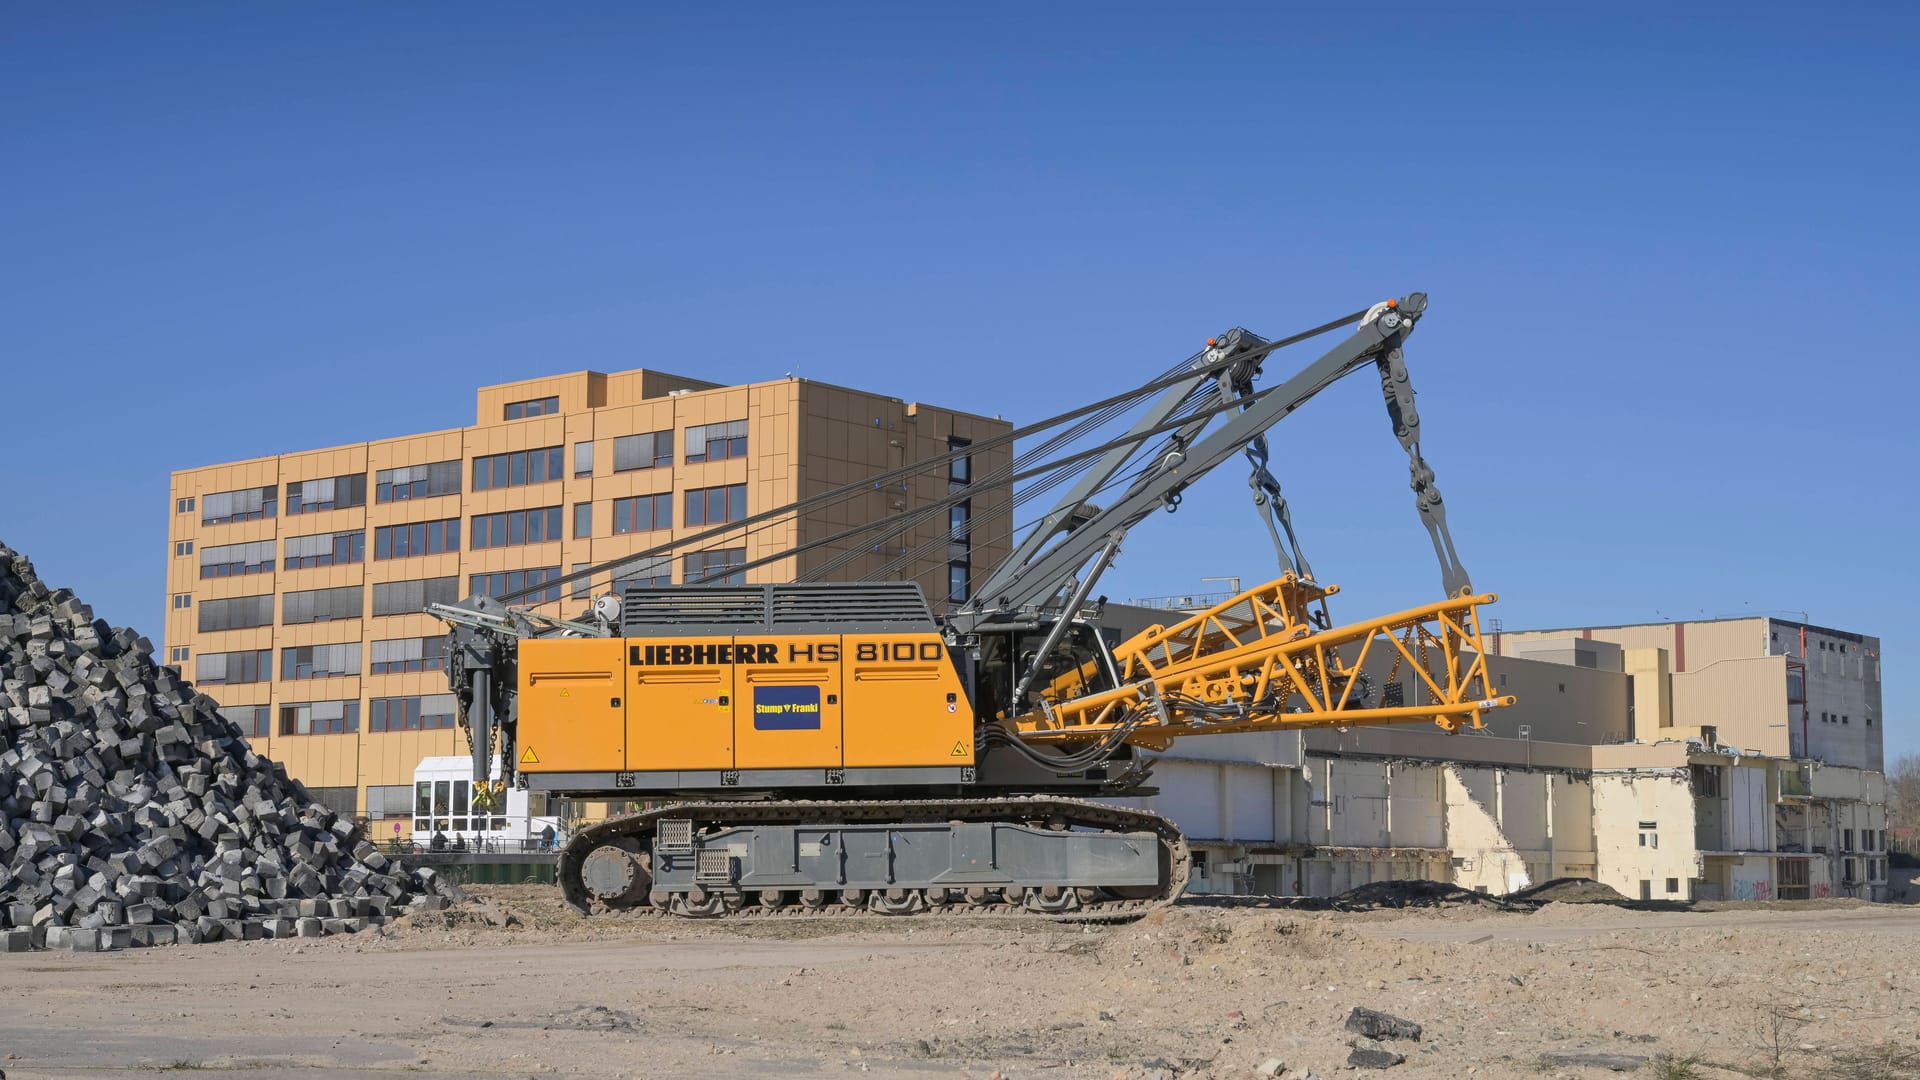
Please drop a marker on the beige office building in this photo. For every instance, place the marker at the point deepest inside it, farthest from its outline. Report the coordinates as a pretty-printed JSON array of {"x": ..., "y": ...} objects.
[{"x": 296, "y": 581}]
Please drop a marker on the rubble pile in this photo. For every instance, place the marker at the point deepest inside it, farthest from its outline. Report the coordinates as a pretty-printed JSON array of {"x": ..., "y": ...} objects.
[{"x": 133, "y": 813}]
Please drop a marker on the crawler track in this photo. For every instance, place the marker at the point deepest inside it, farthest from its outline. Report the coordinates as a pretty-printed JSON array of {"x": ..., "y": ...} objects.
[{"x": 635, "y": 832}]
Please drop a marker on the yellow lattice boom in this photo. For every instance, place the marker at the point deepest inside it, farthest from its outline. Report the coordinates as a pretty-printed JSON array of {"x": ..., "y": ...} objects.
[{"x": 1268, "y": 660}]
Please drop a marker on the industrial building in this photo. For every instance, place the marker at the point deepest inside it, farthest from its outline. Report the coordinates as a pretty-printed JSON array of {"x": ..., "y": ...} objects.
[
  {"x": 295, "y": 581},
  {"x": 1729, "y": 759}
]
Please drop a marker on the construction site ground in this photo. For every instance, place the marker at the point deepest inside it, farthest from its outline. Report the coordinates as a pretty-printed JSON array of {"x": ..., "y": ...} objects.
[{"x": 517, "y": 984}]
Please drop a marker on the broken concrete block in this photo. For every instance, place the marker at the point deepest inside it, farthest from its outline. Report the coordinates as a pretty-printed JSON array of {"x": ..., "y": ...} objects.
[
  {"x": 1379, "y": 1025},
  {"x": 1368, "y": 1054}
]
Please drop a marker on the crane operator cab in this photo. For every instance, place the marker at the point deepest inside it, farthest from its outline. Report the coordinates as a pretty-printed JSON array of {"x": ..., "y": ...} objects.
[{"x": 1079, "y": 664}]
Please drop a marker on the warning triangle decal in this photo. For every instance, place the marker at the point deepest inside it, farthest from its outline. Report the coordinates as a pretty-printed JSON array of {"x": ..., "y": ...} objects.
[
  {"x": 528, "y": 757},
  {"x": 959, "y": 750}
]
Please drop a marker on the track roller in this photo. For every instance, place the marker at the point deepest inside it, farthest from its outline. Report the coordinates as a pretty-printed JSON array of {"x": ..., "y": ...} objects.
[{"x": 615, "y": 876}]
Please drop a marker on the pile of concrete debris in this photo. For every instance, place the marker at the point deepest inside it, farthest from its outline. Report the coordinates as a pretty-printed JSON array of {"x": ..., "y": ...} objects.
[{"x": 133, "y": 813}]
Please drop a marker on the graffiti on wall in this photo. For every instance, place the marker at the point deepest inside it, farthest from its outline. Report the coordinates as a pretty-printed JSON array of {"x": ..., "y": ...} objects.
[{"x": 1752, "y": 890}]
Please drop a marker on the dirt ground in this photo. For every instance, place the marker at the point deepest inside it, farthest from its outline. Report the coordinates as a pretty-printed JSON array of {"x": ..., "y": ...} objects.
[{"x": 518, "y": 985}]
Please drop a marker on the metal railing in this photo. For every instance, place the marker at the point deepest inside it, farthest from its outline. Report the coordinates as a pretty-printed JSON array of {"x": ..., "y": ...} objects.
[
  {"x": 471, "y": 846},
  {"x": 1183, "y": 601}
]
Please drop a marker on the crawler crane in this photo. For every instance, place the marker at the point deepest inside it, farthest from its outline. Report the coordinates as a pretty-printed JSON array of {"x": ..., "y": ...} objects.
[{"x": 829, "y": 747}]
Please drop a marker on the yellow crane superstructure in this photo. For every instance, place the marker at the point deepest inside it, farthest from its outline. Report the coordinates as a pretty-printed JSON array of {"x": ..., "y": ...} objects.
[{"x": 824, "y": 746}]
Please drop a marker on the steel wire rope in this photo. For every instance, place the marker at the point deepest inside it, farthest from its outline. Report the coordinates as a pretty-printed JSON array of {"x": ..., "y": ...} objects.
[{"x": 992, "y": 443}]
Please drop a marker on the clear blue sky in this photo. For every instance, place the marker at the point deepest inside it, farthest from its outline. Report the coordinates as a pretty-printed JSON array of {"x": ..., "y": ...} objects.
[{"x": 1668, "y": 367}]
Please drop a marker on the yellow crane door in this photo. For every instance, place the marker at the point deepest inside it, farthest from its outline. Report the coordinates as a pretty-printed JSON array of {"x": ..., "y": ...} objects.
[
  {"x": 679, "y": 704},
  {"x": 788, "y": 695},
  {"x": 572, "y": 716}
]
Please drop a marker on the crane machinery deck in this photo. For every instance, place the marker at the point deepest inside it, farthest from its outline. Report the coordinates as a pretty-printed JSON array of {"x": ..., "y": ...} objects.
[{"x": 818, "y": 747}]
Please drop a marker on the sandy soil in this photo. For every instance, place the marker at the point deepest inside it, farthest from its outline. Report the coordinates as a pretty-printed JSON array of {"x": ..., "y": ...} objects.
[{"x": 517, "y": 985}]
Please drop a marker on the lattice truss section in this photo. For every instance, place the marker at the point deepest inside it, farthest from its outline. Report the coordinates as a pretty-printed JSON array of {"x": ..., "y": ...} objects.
[{"x": 1269, "y": 660}]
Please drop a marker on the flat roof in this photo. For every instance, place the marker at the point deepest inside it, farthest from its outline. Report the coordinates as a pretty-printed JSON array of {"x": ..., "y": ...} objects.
[{"x": 1847, "y": 634}]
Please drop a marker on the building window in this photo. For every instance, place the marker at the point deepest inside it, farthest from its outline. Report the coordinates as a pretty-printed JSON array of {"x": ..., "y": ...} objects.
[
  {"x": 235, "y": 560},
  {"x": 325, "y": 549},
  {"x": 419, "y": 538},
  {"x": 710, "y": 567},
  {"x": 320, "y": 718},
  {"x": 1846, "y": 720},
  {"x": 182, "y": 600},
  {"x": 716, "y": 442},
  {"x": 322, "y": 605},
  {"x": 960, "y": 469},
  {"x": 716, "y": 505},
  {"x": 652, "y": 450},
  {"x": 656, "y": 570},
  {"x": 521, "y": 410},
  {"x": 1673, "y": 885},
  {"x": 515, "y": 527},
  {"x": 340, "y": 800},
  {"x": 512, "y": 581},
  {"x": 252, "y": 720},
  {"x": 423, "y": 713},
  {"x": 236, "y": 613},
  {"x": 251, "y": 504},
  {"x": 333, "y": 493},
  {"x": 389, "y": 801},
  {"x": 1846, "y": 839},
  {"x": 393, "y": 656},
  {"x": 412, "y": 597},
  {"x": 182, "y": 506},
  {"x": 417, "y": 482},
  {"x": 232, "y": 668},
  {"x": 320, "y": 661},
  {"x": 182, "y": 547},
  {"x": 177, "y": 654},
  {"x": 583, "y": 459},
  {"x": 1706, "y": 781},
  {"x": 959, "y": 550},
  {"x": 582, "y": 520},
  {"x": 441, "y": 805},
  {"x": 643, "y": 513},
  {"x": 518, "y": 468}
]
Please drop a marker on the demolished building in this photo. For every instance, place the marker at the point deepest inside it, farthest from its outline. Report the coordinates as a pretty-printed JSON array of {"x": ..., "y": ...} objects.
[{"x": 1734, "y": 759}]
